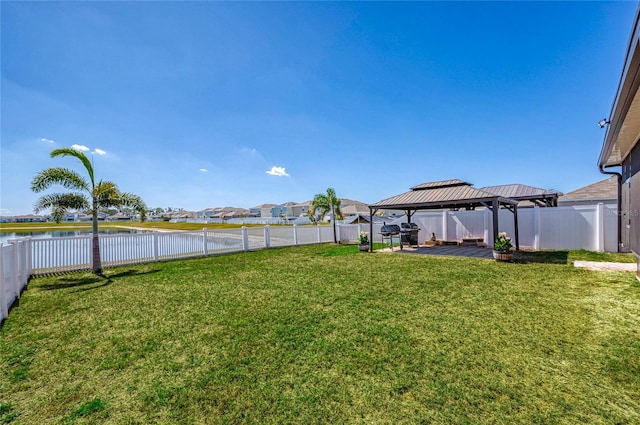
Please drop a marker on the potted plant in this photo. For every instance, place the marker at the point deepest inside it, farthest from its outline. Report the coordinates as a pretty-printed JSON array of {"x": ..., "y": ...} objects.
[
  {"x": 502, "y": 248},
  {"x": 364, "y": 241}
]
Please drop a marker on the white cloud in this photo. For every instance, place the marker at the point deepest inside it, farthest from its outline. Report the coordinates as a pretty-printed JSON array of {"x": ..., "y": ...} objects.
[
  {"x": 49, "y": 141},
  {"x": 82, "y": 148},
  {"x": 99, "y": 151},
  {"x": 204, "y": 170},
  {"x": 278, "y": 171}
]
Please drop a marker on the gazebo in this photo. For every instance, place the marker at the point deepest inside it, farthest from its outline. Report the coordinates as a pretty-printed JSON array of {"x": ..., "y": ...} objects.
[{"x": 447, "y": 194}]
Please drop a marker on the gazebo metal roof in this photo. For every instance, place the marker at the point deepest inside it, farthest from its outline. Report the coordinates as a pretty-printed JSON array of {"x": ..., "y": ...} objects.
[
  {"x": 522, "y": 192},
  {"x": 442, "y": 197}
]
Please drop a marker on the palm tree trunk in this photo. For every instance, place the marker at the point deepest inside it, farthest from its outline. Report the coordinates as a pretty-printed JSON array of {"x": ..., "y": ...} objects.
[
  {"x": 95, "y": 248},
  {"x": 333, "y": 219}
]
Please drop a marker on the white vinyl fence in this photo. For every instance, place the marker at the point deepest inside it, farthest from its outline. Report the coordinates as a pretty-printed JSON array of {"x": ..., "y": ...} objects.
[
  {"x": 590, "y": 227},
  {"x": 15, "y": 270},
  {"x": 576, "y": 227},
  {"x": 53, "y": 255}
]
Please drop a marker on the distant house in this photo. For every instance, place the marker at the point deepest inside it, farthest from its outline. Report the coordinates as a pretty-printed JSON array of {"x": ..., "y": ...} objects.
[
  {"x": 206, "y": 213},
  {"x": 300, "y": 209},
  {"x": 29, "y": 218},
  {"x": 283, "y": 210},
  {"x": 70, "y": 216},
  {"x": 605, "y": 192},
  {"x": 221, "y": 213},
  {"x": 351, "y": 208},
  {"x": 118, "y": 217},
  {"x": 80, "y": 216},
  {"x": 263, "y": 210}
]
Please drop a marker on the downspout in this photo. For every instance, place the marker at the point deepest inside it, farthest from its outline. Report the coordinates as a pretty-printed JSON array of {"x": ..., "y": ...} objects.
[{"x": 619, "y": 176}]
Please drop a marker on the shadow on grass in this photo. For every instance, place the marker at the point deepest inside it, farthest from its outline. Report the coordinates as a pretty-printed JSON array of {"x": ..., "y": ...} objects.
[
  {"x": 88, "y": 282},
  {"x": 545, "y": 257}
]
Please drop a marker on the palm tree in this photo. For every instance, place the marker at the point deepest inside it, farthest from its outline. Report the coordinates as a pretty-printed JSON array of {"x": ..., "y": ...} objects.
[
  {"x": 87, "y": 196},
  {"x": 326, "y": 202}
]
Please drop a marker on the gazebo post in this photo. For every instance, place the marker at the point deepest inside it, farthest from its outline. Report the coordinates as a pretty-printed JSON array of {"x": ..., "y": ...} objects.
[
  {"x": 371, "y": 213},
  {"x": 495, "y": 207},
  {"x": 515, "y": 225}
]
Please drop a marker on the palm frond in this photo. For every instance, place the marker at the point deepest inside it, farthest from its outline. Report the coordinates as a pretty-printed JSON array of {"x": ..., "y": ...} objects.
[
  {"x": 76, "y": 154},
  {"x": 62, "y": 176},
  {"x": 107, "y": 194},
  {"x": 60, "y": 203}
]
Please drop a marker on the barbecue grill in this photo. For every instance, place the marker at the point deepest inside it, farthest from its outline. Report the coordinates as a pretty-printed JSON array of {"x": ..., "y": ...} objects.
[
  {"x": 388, "y": 231},
  {"x": 409, "y": 234}
]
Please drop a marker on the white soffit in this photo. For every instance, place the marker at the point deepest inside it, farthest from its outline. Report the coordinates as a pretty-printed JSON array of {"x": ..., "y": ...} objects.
[{"x": 628, "y": 135}]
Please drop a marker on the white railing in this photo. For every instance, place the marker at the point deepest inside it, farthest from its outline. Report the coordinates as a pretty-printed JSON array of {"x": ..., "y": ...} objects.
[{"x": 53, "y": 255}]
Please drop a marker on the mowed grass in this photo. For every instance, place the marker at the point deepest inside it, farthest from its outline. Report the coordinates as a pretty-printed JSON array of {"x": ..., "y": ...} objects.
[{"x": 325, "y": 334}]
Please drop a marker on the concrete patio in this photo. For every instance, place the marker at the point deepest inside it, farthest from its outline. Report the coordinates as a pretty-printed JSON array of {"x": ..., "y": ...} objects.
[{"x": 450, "y": 250}]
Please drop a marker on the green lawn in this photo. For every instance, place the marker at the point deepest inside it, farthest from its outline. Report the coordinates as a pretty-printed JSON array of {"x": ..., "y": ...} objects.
[{"x": 326, "y": 334}]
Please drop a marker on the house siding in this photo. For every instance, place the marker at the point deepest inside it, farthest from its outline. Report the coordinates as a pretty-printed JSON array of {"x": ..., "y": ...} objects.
[{"x": 631, "y": 175}]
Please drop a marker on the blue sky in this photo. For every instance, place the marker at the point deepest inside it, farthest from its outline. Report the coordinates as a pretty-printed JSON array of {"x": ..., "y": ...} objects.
[{"x": 203, "y": 104}]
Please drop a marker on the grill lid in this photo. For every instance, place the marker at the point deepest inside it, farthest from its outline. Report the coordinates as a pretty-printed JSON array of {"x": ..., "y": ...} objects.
[
  {"x": 390, "y": 229},
  {"x": 408, "y": 227}
]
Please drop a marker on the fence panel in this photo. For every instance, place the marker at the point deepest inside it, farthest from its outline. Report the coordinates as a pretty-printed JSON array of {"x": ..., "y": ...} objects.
[
  {"x": 124, "y": 249},
  {"x": 173, "y": 245},
  {"x": 326, "y": 233},
  {"x": 8, "y": 285},
  {"x": 256, "y": 237},
  {"x": 568, "y": 228},
  {"x": 465, "y": 224},
  {"x": 15, "y": 271},
  {"x": 307, "y": 235},
  {"x": 224, "y": 241},
  {"x": 281, "y": 235},
  {"x": 53, "y": 255},
  {"x": 429, "y": 223}
]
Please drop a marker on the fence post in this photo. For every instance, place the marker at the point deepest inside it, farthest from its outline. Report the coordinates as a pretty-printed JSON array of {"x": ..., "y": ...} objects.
[
  {"x": 267, "y": 237},
  {"x": 600, "y": 227},
  {"x": 29, "y": 258},
  {"x": 155, "y": 246},
  {"x": 245, "y": 239},
  {"x": 14, "y": 269},
  {"x": 486, "y": 233},
  {"x": 537, "y": 211},
  {"x": 205, "y": 238},
  {"x": 319, "y": 233},
  {"x": 3, "y": 298},
  {"x": 445, "y": 220},
  {"x": 295, "y": 234},
  {"x": 339, "y": 233}
]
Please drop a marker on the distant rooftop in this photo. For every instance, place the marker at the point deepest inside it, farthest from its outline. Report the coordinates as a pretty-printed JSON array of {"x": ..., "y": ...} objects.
[{"x": 604, "y": 189}]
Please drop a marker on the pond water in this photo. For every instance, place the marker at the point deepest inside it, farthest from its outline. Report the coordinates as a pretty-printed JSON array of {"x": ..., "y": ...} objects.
[{"x": 5, "y": 237}]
